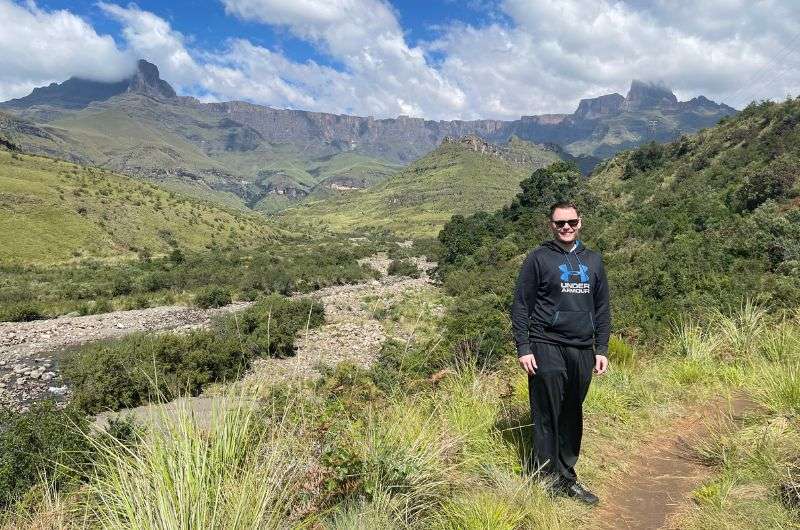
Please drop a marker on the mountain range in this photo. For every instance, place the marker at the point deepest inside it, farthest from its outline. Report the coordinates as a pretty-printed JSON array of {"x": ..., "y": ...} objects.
[{"x": 264, "y": 158}]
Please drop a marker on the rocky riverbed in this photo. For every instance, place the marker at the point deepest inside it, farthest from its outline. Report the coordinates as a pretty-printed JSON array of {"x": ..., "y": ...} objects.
[{"x": 29, "y": 351}]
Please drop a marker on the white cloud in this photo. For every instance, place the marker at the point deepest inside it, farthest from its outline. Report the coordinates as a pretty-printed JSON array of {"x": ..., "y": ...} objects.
[
  {"x": 366, "y": 37},
  {"x": 537, "y": 57},
  {"x": 38, "y": 47}
]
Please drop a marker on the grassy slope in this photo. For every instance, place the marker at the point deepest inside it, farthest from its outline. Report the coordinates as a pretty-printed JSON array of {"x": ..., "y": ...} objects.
[
  {"x": 53, "y": 211},
  {"x": 705, "y": 220},
  {"x": 194, "y": 152},
  {"x": 418, "y": 200}
]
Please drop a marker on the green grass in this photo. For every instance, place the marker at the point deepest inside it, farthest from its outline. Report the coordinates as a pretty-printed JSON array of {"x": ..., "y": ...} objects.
[
  {"x": 240, "y": 473},
  {"x": 442, "y": 455},
  {"x": 418, "y": 200},
  {"x": 54, "y": 211}
]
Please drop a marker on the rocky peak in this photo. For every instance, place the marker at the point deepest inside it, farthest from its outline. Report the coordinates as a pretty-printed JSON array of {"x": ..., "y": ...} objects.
[
  {"x": 473, "y": 143},
  {"x": 146, "y": 80},
  {"x": 77, "y": 93},
  {"x": 593, "y": 108},
  {"x": 649, "y": 95},
  {"x": 514, "y": 152}
]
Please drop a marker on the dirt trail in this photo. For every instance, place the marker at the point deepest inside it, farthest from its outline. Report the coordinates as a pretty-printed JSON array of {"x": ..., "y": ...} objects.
[{"x": 657, "y": 485}]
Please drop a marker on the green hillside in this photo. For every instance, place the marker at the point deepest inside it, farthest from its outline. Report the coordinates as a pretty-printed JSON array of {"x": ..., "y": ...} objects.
[
  {"x": 417, "y": 201},
  {"x": 183, "y": 148},
  {"x": 54, "y": 211},
  {"x": 701, "y": 223}
]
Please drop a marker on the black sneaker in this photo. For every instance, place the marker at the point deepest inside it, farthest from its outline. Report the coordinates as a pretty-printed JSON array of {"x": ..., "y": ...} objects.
[{"x": 578, "y": 492}]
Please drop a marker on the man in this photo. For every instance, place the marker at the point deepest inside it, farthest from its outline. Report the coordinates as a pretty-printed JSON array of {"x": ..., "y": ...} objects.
[{"x": 561, "y": 322}]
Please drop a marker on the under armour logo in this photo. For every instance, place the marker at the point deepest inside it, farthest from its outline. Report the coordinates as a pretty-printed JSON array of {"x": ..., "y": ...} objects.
[{"x": 566, "y": 272}]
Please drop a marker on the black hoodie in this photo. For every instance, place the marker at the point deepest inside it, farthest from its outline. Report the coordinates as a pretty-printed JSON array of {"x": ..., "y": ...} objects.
[{"x": 561, "y": 298}]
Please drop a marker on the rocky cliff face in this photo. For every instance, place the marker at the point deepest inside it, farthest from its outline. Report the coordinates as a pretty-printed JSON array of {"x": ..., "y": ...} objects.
[
  {"x": 649, "y": 96},
  {"x": 594, "y": 129},
  {"x": 592, "y": 109}
]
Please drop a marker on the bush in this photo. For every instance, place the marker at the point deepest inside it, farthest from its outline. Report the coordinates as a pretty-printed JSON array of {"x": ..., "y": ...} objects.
[
  {"x": 404, "y": 268},
  {"x": 269, "y": 326},
  {"x": 94, "y": 308},
  {"x": 480, "y": 327},
  {"x": 141, "y": 368},
  {"x": 21, "y": 312},
  {"x": 213, "y": 296},
  {"x": 43, "y": 441}
]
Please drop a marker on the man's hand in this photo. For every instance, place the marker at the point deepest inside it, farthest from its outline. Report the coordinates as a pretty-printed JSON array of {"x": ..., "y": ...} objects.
[
  {"x": 600, "y": 364},
  {"x": 528, "y": 363}
]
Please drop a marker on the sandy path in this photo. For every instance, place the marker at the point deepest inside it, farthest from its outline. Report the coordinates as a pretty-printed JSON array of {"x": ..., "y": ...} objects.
[{"x": 657, "y": 485}]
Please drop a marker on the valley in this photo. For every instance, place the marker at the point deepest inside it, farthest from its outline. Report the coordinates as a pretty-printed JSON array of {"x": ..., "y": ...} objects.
[
  {"x": 251, "y": 156},
  {"x": 235, "y": 292}
]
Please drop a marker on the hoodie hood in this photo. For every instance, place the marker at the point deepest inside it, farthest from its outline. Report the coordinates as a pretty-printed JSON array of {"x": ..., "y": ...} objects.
[{"x": 551, "y": 244}]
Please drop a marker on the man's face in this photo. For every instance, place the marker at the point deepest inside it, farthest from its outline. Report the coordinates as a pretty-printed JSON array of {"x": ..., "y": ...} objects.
[{"x": 562, "y": 230}]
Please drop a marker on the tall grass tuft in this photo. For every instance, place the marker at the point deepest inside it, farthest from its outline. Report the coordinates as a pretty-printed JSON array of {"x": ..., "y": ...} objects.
[
  {"x": 740, "y": 331},
  {"x": 363, "y": 514},
  {"x": 505, "y": 502},
  {"x": 782, "y": 343},
  {"x": 620, "y": 353},
  {"x": 778, "y": 388},
  {"x": 471, "y": 411},
  {"x": 690, "y": 340},
  {"x": 407, "y": 456},
  {"x": 240, "y": 473}
]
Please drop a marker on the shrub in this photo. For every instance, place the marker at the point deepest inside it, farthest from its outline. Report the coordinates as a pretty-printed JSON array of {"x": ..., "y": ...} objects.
[
  {"x": 139, "y": 368},
  {"x": 404, "y": 268},
  {"x": 269, "y": 326},
  {"x": 94, "y": 308},
  {"x": 121, "y": 285},
  {"x": 213, "y": 296},
  {"x": 43, "y": 441},
  {"x": 21, "y": 312},
  {"x": 479, "y": 327}
]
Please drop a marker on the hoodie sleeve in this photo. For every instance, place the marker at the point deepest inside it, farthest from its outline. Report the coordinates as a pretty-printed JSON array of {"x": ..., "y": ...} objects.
[
  {"x": 602, "y": 312},
  {"x": 524, "y": 299}
]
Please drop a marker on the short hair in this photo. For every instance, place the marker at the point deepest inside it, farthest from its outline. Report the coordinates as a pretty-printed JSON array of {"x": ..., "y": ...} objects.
[{"x": 564, "y": 204}]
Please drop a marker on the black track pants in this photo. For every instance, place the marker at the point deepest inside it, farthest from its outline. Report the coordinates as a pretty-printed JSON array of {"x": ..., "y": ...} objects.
[{"x": 557, "y": 391}]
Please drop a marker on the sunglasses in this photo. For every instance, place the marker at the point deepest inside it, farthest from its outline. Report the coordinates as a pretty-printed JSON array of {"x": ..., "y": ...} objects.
[{"x": 561, "y": 224}]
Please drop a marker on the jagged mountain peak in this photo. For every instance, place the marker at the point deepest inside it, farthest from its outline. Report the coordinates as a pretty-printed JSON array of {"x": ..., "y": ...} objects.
[
  {"x": 77, "y": 93},
  {"x": 146, "y": 80},
  {"x": 647, "y": 95}
]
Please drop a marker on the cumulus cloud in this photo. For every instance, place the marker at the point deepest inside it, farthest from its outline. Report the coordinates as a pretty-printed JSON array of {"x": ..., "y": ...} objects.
[
  {"x": 527, "y": 57},
  {"x": 38, "y": 47},
  {"x": 366, "y": 37},
  {"x": 151, "y": 37}
]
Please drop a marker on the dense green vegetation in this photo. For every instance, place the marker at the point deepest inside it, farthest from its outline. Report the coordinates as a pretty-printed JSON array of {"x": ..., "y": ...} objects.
[
  {"x": 93, "y": 286},
  {"x": 699, "y": 223},
  {"x": 43, "y": 438},
  {"x": 141, "y": 368}
]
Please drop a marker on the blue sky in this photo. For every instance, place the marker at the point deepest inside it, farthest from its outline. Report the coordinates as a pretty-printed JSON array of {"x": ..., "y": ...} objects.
[
  {"x": 438, "y": 59},
  {"x": 209, "y": 26}
]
